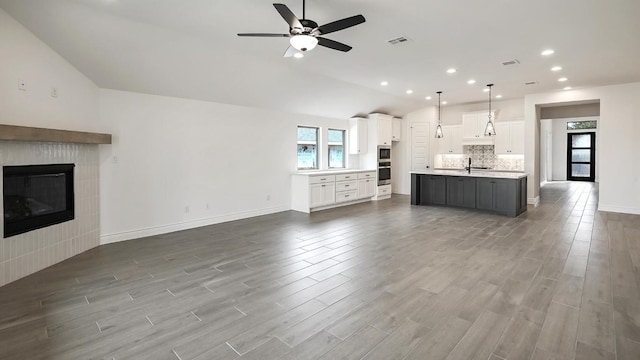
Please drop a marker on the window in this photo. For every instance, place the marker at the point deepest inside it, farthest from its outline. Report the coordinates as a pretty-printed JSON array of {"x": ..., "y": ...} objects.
[
  {"x": 336, "y": 148},
  {"x": 307, "y": 147},
  {"x": 581, "y": 125}
]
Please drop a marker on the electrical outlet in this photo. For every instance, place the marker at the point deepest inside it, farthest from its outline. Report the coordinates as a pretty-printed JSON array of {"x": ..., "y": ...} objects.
[
  {"x": 208, "y": 207},
  {"x": 186, "y": 209},
  {"x": 22, "y": 85},
  {"x": 114, "y": 159},
  {"x": 54, "y": 92},
  {"x": 268, "y": 197}
]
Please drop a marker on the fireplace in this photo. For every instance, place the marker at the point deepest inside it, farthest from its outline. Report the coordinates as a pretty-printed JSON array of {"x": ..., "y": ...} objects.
[{"x": 37, "y": 196}]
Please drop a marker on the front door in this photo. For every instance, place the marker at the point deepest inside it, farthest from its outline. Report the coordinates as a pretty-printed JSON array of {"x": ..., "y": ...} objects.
[{"x": 581, "y": 157}]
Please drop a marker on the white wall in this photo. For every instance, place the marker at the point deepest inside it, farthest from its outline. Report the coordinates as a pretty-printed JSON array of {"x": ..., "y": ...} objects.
[
  {"x": 506, "y": 110},
  {"x": 26, "y": 58},
  {"x": 618, "y": 133},
  {"x": 170, "y": 153},
  {"x": 559, "y": 155}
]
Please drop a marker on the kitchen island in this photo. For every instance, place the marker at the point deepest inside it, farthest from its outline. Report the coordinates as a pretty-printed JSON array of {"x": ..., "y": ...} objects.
[{"x": 502, "y": 193}]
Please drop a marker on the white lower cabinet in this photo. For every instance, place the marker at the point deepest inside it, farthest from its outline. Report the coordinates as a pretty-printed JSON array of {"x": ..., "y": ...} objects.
[
  {"x": 310, "y": 191},
  {"x": 322, "y": 194},
  {"x": 366, "y": 188}
]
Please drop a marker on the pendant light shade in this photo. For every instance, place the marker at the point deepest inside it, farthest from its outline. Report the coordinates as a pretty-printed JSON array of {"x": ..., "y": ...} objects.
[
  {"x": 439, "y": 134},
  {"x": 490, "y": 130}
]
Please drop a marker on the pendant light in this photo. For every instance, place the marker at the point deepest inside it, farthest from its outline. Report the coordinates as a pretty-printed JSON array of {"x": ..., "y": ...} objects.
[
  {"x": 439, "y": 134},
  {"x": 490, "y": 130}
]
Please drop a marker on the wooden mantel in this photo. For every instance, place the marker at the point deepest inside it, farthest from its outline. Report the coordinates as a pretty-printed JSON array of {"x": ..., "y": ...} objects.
[{"x": 24, "y": 133}]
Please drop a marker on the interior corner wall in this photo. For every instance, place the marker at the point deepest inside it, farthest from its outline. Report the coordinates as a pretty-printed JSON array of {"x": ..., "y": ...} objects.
[
  {"x": 25, "y": 58},
  {"x": 177, "y": 163},
  {"x": 618, "y": 131}
]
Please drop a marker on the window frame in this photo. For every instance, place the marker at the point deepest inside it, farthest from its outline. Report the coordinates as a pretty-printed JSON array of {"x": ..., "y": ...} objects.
[
  {"x": 317, "y": 144},
  {"x": 344, "y": 148}
]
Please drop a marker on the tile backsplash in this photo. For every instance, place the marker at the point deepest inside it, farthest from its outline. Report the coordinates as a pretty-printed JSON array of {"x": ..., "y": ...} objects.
[
  {"x": 483, "y": 156},
  {"x": 27, "y": 253}
]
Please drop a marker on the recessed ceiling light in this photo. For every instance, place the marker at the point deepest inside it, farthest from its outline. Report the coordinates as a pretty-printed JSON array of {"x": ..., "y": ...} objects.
[
  {"x": 568, "y": 88},
  {"x": 563, "y": 79},
  {"x": 451, "y": 71},
  {"x": 409, "y": 91},
  {"x": 485, "y": 90},
  {"x": 428, "y": 98},
  {"x": 471, "y": 82},
  {"x": 444, "y": 103},
  {"x": 298, "y": 55},
  {"x": 556, "y": 68},
  {"x": 384, "y": 83},
  {"x": 498, "y": 96},
  {"x": 548, "y": 52}
]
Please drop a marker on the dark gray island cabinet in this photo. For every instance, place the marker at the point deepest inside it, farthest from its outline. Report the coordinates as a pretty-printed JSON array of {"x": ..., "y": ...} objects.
[{"x": 500, "y": 193}]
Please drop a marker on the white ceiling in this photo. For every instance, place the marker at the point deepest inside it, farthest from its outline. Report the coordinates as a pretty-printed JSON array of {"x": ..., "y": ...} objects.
[{"x": 190, "y": 49}]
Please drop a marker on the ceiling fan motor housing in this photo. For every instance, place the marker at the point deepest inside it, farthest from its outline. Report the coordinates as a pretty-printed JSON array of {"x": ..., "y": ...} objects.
[{"x": 308, "y": 27}]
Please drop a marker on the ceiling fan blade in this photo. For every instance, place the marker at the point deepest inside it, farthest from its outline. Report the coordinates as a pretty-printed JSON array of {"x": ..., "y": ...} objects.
[
  {"x": 288, "y": 16},
  {"x": 341, "y": 24},
  {"x": 331, "y": 44},
  {"x": 264, "y": 35},
  {"x": 291, "y": 51}
]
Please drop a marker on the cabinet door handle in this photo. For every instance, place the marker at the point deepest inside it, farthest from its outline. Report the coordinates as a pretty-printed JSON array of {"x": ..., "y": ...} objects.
[
  {"x": 346, "y": 186},
  {"x": 347, "y": 177},
  {"x": 323, "y": 179},
  {"x": 346, "y": 196},
  {"x": 324, "y": 185}
]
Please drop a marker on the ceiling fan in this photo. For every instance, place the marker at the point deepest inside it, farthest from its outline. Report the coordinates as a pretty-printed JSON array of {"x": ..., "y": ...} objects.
[{"x": 305, "y": 34}]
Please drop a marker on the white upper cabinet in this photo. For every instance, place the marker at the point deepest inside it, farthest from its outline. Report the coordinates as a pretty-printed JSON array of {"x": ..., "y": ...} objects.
[
  {"x": 451, "y": 142},
  {"x": 384, "y": 126},
  {"x": 396, "y": 131},
  {"x": 509, "y": 138},
  {"x": 358, "y": 135},
  {"x": 384, "y": 131},
  {"x": 473, "y": 126}
]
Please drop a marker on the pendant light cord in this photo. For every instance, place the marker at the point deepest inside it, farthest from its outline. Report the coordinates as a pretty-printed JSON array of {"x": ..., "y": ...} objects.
[
  {"x": 439, "y": 108},
  {"x": 304, "y": 15},
  {"x": 490, "y": 101}
]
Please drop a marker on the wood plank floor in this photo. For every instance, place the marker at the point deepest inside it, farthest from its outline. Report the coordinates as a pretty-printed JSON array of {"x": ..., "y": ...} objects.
[{"x": 383, "y": 280}]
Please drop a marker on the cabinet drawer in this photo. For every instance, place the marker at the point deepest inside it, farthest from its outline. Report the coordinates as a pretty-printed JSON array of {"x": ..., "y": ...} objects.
[
  {"x": 343, "y": 177},
  {"x": 367, "y": 175},
  {"x": 319, "y": 179},
  {"x": 344, "y": 196},
  {"x": 384, "y": 190},
  {"x": 346, "y": 185}
]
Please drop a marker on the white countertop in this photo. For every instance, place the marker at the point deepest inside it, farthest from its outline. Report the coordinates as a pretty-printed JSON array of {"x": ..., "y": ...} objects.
[
  {"x": 331, "y": 172},
  {"x": 474, "y": 173}
]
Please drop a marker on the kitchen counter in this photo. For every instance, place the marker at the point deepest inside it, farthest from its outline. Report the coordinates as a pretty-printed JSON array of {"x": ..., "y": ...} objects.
[
  {"x": 497, "y": 192},
  {"x": 474, "y": 173},
  {"x": 332, "y": 172}
]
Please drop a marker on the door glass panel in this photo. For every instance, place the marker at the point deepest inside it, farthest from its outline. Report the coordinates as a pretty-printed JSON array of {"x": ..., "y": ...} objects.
[
  {"x": 580, "y": 155},
  {"x": 580, "y": 170},
  {"x": 581, "y": 141}
]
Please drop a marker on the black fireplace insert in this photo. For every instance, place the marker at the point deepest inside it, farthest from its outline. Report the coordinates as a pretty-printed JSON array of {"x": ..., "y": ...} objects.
[{"x": 37, "y": 196}]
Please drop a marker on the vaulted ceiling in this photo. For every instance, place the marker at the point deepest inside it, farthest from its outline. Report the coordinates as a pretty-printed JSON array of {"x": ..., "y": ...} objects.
[{"x": 189, "y": 49}]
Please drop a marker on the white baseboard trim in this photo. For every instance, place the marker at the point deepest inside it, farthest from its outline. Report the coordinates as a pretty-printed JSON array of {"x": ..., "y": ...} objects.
[
  {"x": 619, "y": 209},
  {"x": 191, "y": 224},
  {"x": 533, "y": 201}
]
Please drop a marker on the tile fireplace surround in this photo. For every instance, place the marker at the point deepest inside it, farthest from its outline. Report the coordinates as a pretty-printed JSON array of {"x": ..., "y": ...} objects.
[{"x": 27, "y": 253}]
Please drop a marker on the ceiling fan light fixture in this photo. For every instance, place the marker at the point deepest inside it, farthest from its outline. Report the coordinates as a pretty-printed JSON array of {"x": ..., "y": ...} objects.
[{"x": 304, "y": 42}]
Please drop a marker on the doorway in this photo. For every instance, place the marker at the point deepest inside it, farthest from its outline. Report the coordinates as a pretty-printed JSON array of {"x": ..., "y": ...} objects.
[{"x": 581, "y": 156}]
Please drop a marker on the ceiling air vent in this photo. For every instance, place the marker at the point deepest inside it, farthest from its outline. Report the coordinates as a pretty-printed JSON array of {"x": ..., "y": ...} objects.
[
  {"x": 531, "y": 83},
  {"x": 511, "y": 62},
  {"x": 398, "y": 40}
]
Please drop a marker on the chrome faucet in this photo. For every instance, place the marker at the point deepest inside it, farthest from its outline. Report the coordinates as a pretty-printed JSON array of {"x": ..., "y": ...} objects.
[{"x": 469, "y": 168}]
